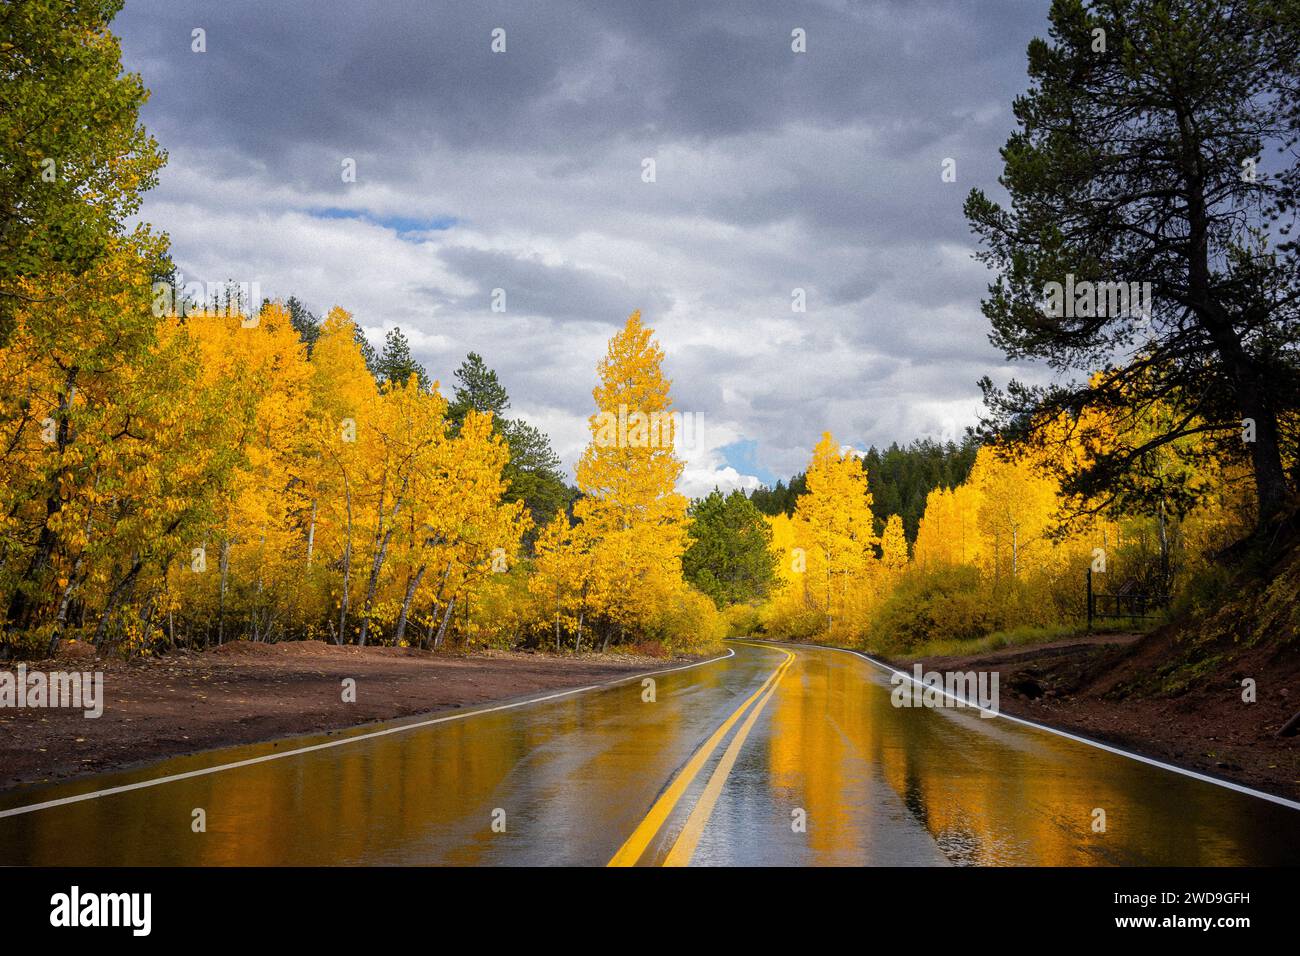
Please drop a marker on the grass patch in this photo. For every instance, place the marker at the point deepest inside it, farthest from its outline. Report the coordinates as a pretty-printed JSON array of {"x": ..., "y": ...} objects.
[
  {"x": 1011, "y": 637},
  {"x": 1125, "y": 625},
  {"x": 1022, "y": 635}
]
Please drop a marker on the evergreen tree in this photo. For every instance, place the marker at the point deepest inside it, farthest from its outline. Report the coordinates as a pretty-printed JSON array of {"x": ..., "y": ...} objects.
[
  {"x": 534, "y": 471},
  {"x": 730, "y": 557},
  {"x": 368, "y": 353},
  {"x": 396, "y": 365},
  {"x": 304, "y": 322},
  {"x": 1135, "y": 162},
  {"x": 478, "y": 389},
  {"x": 901, "y": 478},
  {"x": 781, "y": 498}
]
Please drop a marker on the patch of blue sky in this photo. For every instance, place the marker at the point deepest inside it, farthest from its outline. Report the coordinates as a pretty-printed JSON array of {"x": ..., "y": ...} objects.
[
  {"x": 743, "y": 456},
  {"x": 402, "y": 225}
]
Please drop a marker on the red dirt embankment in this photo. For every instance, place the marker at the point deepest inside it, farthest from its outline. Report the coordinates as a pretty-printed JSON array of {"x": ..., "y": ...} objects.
[
  {"x": 1099, "y": 686},
  {"x": 243, "y": 693}
]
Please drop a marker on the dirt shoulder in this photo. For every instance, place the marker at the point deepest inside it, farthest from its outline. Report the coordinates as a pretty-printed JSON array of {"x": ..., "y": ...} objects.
[
  {"x": 1098, "y": 686},
  {"x": 245, "y": 693}
]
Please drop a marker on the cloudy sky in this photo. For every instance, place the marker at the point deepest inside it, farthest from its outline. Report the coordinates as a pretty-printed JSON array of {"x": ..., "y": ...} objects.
[{"x": 523, "y": 170}]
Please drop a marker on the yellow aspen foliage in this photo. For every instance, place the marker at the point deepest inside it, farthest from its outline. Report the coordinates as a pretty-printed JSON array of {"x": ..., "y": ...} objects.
[
  {"x": 258, "y": 365},
  {"x": 893, "y": 546},
  {"x": 947, "y": 534},
  {"x": 475, "y": 534},
  {"x": 194, "y": 478},
  {"x": 563, "y": 578},
  {"x": 792, "y": 611},
  {"x": 836, "y": 513},
  {"x": 828, "y": 575},
  {"x": 1015, "y": 512},
  {"x": 988, "y": 553},
  {"x": 628, "y": 476},
  {"x": 106, "y": 461},
  {"x": 616, "y": 573},
  {"x": 342, "y": 386},
  {"x": 341, "y": 429}
]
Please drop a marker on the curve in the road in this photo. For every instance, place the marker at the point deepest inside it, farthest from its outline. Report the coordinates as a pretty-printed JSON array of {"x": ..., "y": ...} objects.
[
  {"x": 684, "y": 848},
  {"x": 776, "y": 754}
]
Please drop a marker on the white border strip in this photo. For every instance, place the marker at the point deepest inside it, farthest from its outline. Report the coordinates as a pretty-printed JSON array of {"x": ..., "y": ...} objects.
[
  {"x": 143, "y": 784},
  {"x": 1204, "y": 778}
]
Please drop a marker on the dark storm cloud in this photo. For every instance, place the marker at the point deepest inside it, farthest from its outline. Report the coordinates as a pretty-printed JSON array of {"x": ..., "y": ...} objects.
[
  {"x": 558, "y": 292},
  {"x": 399, "y": 74}
]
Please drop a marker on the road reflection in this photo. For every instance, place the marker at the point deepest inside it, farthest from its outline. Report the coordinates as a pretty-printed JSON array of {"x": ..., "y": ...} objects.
[
  {"x": 832, "y": 774},
  {"x": 986, "y": 791}
]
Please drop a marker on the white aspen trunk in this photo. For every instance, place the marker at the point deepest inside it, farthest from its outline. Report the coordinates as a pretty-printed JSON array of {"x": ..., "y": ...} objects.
[
  {"x": 411, "y": 587},
  {"x": 221, "y": 607},
  {"x": 347, "y": 565},
  {"x": 311, "y": 533},
  {"x": 442, "y": 628}
]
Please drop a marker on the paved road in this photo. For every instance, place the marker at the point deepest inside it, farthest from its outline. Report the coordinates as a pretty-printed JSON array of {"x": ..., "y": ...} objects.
[{"x": 774, "y": 755}]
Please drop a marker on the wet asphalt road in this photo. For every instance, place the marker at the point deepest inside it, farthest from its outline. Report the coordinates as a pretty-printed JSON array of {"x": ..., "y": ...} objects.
[{"x": 772, "y": 756}]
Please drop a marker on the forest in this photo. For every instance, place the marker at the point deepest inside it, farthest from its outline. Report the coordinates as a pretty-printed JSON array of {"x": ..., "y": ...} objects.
[{"x": 183, "y": 471}]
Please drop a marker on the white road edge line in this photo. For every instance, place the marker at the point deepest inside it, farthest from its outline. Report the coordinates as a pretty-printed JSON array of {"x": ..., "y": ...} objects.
[
  {"x": 171, "y": 778},
  {"x": 1228, "y": 784}
]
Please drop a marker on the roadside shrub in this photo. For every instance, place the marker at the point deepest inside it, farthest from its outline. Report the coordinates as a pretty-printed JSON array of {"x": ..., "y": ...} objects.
[
  {"x": 672, "y": 613},
  {"x": 742, "y": 620},
  {"x": 503, "y": 613},
  {"x": 688, "y": 623},
  {"x": 1205, "y": 590},
  {"x": 791, "y": 616},
  {"x": 945, "y": 603}
]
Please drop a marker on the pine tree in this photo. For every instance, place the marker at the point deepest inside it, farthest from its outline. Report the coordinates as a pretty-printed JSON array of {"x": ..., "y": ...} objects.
[
  {"x": 478, "y": 389},
  {"x": 534, "y": 470},
  {"x": 396, "y": 365},
  {"x": 730, "y": 557},
  {"x": 1135, "y": 163},
  {"x": 304, "y": 322}
]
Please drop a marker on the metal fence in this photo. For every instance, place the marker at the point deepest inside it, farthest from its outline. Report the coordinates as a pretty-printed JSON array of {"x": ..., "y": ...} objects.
[{"x": 1128, "y": 603}]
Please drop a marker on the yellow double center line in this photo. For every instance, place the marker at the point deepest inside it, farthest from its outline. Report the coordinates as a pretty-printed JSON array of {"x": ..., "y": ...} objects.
[{"x": 680, "y": 854}]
